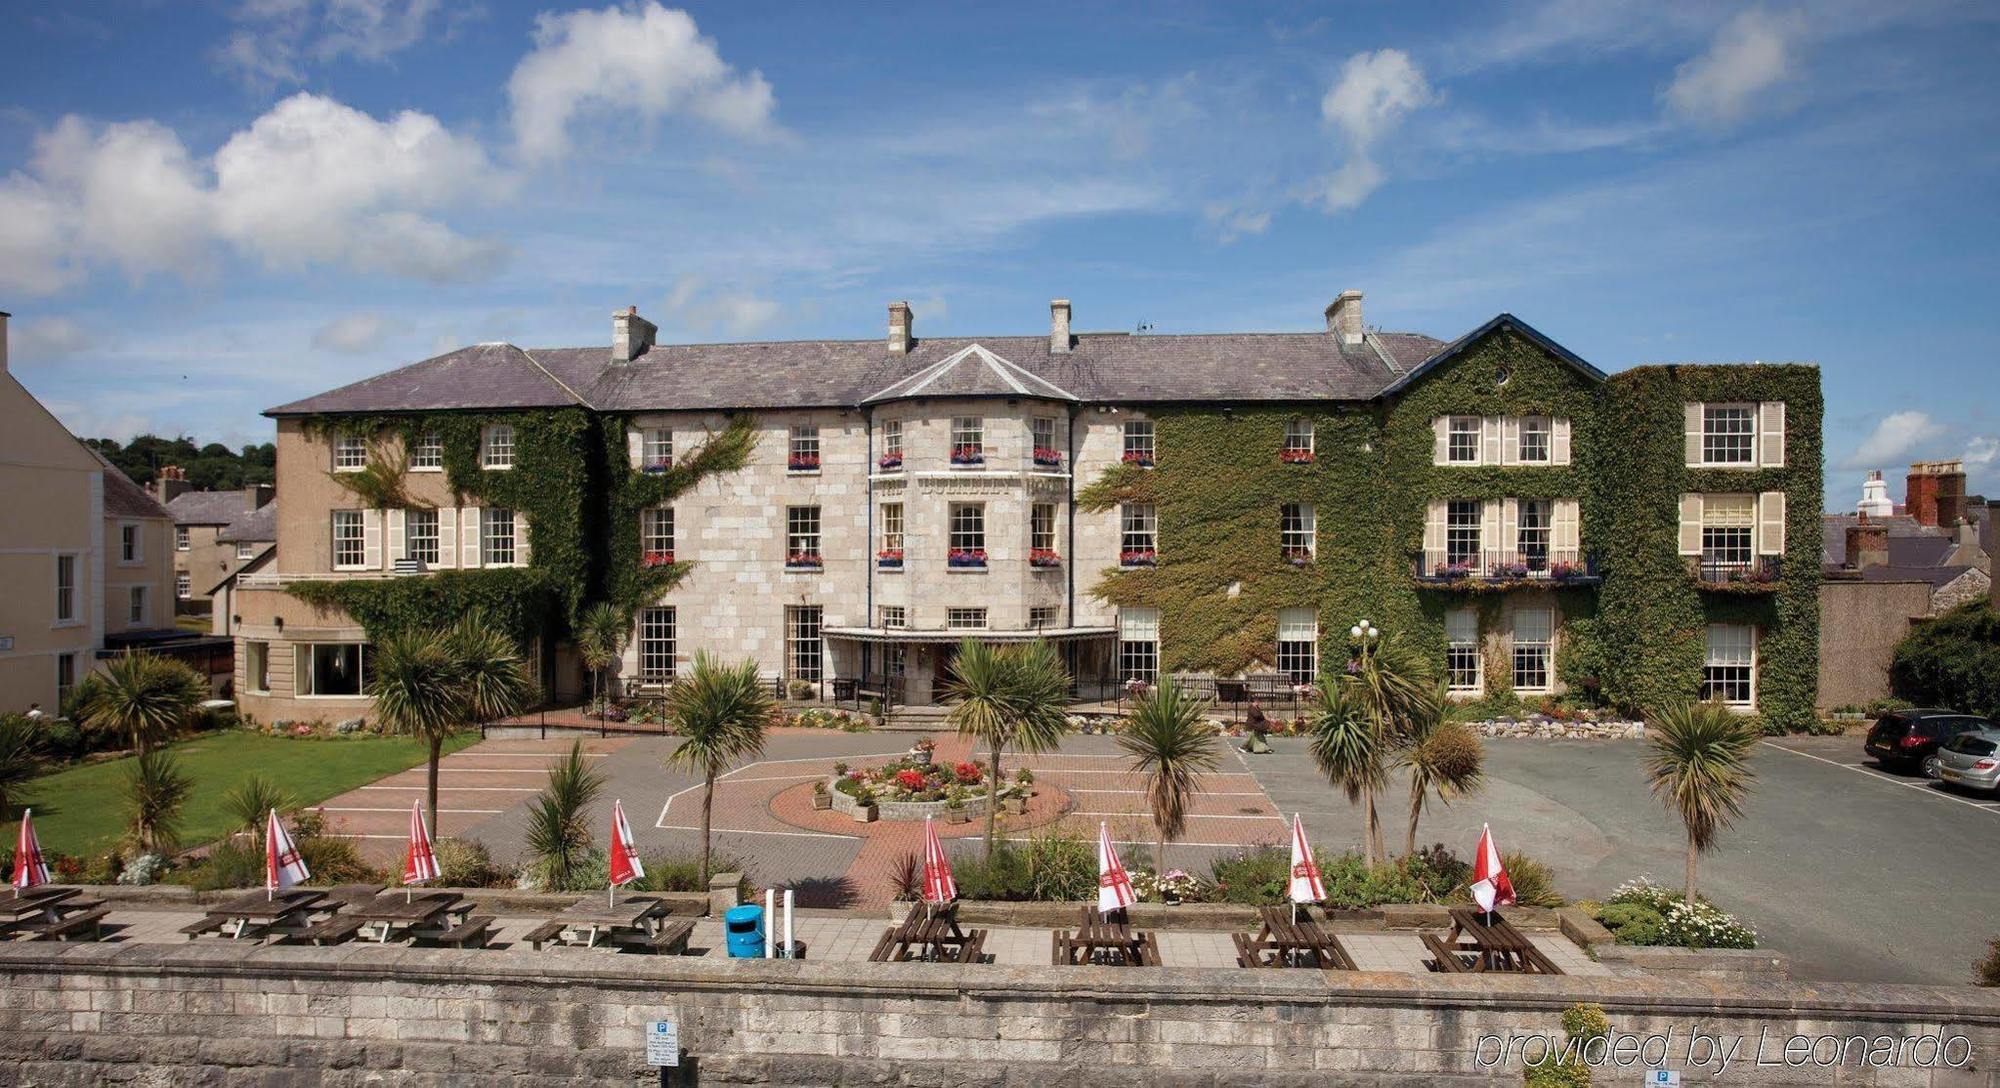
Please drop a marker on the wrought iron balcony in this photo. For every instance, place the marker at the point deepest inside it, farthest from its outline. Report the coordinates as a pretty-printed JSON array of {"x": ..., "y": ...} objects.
[
  {"x": 1557, "y": 566},
  {"x": 1760, "y": 573}
]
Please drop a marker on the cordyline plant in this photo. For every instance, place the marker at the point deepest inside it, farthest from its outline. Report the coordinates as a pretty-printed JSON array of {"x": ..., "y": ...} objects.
[
  {"x": 1700, "y": 769},
  {"x": 1172, "y": 745},
  {"x": 720, "y": 712},
  {"x": 1008, "y": 696}
]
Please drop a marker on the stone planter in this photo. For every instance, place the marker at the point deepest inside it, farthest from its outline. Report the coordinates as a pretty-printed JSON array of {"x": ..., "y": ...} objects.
[
  {"x": 1015, "y": 806},
  {"x": 822, "y": 801},
  {"x": 863, "y": 814},
  {"x": 899, "y": 911},
  {"x": 901, "y": 811},
  {"x": 957, "y": 816}
]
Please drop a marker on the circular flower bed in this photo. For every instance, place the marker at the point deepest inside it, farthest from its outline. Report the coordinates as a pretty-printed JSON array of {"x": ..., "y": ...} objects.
[{"x": 912, "y": 788}]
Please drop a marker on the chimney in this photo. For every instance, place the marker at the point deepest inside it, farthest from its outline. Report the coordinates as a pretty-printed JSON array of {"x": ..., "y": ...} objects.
[
  {"x": 4, "y": 315},
  {"x": 902, "y": 328},
  {"x": 1059, "y": 339},
  {"x": 259, "y": 494},
  {"x": 1934, "y": 493},
  {"x": 171, "y": 481},
  {"x": 631, "y": 335},
  {"x": 1875, "y": 497},
  {"x": 1867, "y": 544},
  {"x": 1343, "y": 316}
]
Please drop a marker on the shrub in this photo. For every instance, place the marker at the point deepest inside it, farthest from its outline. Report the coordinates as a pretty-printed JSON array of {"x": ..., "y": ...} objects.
[
  {"x": 674, "y": 873},
  {"x": 1952, "y": 661},
  {"x": 1258, "y": 875},
  {"x": 1668, "y": 920},
  {"x": 1566, "y": 1069},
  {"x": 463, "y": 863},
  {"x": 1055, "y": 867},
  {"x": 232, "y": 864},
  {"x": 1534, "y": 885},
  {"x": 1630, "y": 923},
  {"x": 1987, "y": 971}
]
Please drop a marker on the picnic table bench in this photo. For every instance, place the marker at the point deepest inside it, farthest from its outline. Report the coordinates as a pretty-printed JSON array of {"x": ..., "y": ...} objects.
[
  {"x": 425, "y": 916},
  {"x": 260, "y": 914},
  {"x": 641, "y": 922},
  {"x": 1283, "y": 941},
  {"x": 1106, "y": 940},
  {"x": 54, "y": 912},
  {"x": 933, "y": 936},
  {"x": 1480, "y": 942}
]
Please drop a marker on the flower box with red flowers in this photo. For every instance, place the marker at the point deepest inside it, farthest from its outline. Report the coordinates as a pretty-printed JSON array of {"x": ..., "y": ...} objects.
[
  {"x": 968, "y": 455},
  {"x": 804, "y": 561},
  {"x": 803, "y": 462},
  {"x": 1043, "y": 557},
  {"x": 1296, "y": 457},
  {"x": 889, "y": 557},
  {"x": 1134, "y": 457},
  {"x": 1138, "y": 558},
  {"x": 1048, "y": 457},
  {"x": 1298, "y": 557},
  {"x": 966, "y": 557},
  {"x": 656, "y": 559},
  {"x": 654, "y": 468},
  {"x": 889, "y": 461}
]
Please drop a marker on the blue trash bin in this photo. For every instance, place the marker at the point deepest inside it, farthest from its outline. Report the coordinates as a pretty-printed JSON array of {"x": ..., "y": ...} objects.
[{"x": 744, "y": 928}]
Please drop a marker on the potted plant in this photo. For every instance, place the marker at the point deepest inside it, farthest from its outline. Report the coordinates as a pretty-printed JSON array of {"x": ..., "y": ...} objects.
[
  {"x": 1137, "y": 557},
  {"x": 920, "y": 752},
  {"x": 1016, "y": 801},
  {"x": 908, "y": 882},
  {"x": 840, "y": 769},
  {"x": 889, "y": 461},
  {"x": 864, "y": 806},
  {"x": 954, "y": 806},
  {"x": 1295, "y": 457},
  {"x": 1044, "y": 558},
  {"x": 1048, "y": 457},
  {"x": 822, "y": 800}
]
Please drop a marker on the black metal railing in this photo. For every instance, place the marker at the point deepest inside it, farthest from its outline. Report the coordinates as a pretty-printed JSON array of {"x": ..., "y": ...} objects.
[
  {"x": 1537, "y": 564},
  {"x": 1712, "y": 571}
]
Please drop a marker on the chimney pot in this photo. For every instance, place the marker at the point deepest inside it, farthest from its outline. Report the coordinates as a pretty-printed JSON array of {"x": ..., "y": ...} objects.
[
  {"x": 1059, "y": 337},
  {"x": 902, "y": 328},
  {"x": 1934, "y": 493},
  {"x": 631, "y": 335},
  {"x": 1343, "y": 317}
]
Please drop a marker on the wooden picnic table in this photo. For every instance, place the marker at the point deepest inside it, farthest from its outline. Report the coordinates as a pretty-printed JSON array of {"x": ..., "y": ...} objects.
[
  {"x": 638, "y": 920},
  {"x": 1107, "y": 941},
  {"x": 33, "y": 903},
  {"x": 1283, "y": 941},
  {"x": 1486, "y": 942},
  {"x": 260, "y": 914},
  {"x": 931, "y": 935},
  {"x": 425, "y": 914},
  {"x": 51, "y": 911}
]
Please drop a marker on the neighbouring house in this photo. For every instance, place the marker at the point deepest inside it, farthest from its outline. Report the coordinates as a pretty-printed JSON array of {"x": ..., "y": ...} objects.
[
  {"x": 1217, "y": 507},
  {"x": 205, "y": 551},
  {"x": 251, "y": 541},
  {"x": 1888, "y": 565}
]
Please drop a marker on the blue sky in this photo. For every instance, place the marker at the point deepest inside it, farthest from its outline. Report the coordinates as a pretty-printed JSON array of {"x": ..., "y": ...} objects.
[{"x": 208, "y": 211}]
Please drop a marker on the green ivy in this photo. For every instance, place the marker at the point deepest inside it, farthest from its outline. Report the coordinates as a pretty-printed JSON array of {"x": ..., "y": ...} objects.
[
  {"x": 520, "y": 600},
  {"x": 626, "y": 583}
]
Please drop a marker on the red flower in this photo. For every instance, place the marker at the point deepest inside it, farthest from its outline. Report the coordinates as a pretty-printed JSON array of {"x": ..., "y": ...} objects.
[
  {"x": 657, "y": 559},
  {"x": 967, "y": 773},
  {"x": 1296, "y": 457},
  {"x": 1134, "y": 457},
  {"x": 910, "y": 779}
]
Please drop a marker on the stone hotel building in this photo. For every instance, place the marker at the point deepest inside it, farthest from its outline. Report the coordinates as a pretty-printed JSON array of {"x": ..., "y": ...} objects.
[{"x": 1219, "y": 506}]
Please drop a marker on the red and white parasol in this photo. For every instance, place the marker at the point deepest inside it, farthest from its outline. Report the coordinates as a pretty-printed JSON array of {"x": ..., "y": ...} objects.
[
  {"x": 1114, "y": 885},
  {"x": 1307, "y": 887},
  {"x": 30, "y": 869},
  {"x": 939, "y": 888},
  {"x": 283, "y": 867},
  {"x": 1490, "y": 886},
  {"x": 420, "y": 864},
  {"x": 625, "y": 864}
]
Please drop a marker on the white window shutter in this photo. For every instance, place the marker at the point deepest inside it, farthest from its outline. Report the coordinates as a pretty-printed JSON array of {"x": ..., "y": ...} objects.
[
  {"x": 1510, "y": 527},
  {"x": 1771, "y": 434},
  {"x": 635, "y": 442},
  {"x": 1490, "y": 428},
  {"x": 1510, "y": 440},
  {"x": 1771, "y": 523},
  {"x": 447, "y": 537},
  {"x": 1559, "y": 441},
  {"x": 1489, "y": 531},
  {"x": 1440, "y": 440},
  {"x": 371, "y": 539},
  {"x": 468, "y": 537},
  {"x": 399, "y": 547},
  {"x": 1434, "y": 528},
  {"x": 523, "y": 551},
  {"x": 1691, "y": 524},
  {"x": 1566, "y": 530},
  {"x": 1691, "y": 424}
]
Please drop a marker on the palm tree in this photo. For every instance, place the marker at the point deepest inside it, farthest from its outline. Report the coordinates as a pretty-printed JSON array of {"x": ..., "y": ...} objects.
[
  {"x": 251, "y": 801},
  {"x": 20, "y": 759},
  {"x": 558, "y": 819},
  {"x": 496, "y": 677},
  {"x": 1171, "y": 743},
  {"x": 144, "y": 696},
  {"x": 419, "y": 689},
  {"x": 155, "y": 789},
  {"x": 1016, "y": 696},
  {"x": 1351, "y": 752},
  {"x": 720, "y": 712},
  {"x": 1444, "y": 757},
  {"x": 1700, "y": 769},
  {"x": 600, "y": 640}
]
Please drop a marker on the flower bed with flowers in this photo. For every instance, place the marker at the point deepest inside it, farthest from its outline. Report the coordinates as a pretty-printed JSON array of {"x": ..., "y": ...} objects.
[
  {"x": 1642, "y": 912},
  {"x": 911, "y": 789}
]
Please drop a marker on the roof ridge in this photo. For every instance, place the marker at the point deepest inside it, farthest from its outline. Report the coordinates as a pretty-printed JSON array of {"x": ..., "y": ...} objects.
[{"x": 550, "y": 374}]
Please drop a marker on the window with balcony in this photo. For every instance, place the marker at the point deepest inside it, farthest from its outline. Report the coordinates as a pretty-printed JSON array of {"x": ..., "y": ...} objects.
[
  {"x": 1728, "y": 434},
  {"x": 968, "y": 535},
  {"x": 1139, "y": 535},
  {"x": 1046, "y": 453},
  {"x": 802, "y": 455},
  {"x": 1537, "y": 440},
  {"x": 322, "y": 669},
  {"x": 802, "y": 538},
  {"x": 1042, "y": 536},
  {"x": 968, "y": 440},
  {"x": 350, "y": 548},
  {"x": 656, "y": 449},
  {"x": 890, "y": 554},
  {"x": 1298, "y": 442},
  {"x": 657, "y": 643},
  {"x": 1139, "y": 644},
  {"x": 1463, "y": 660},
  {"x": 350, "y": 454},
  {"x": 1462, "y": 435},
  {"x": 1139, "y": 444},
  {"x": 1461, "y": 533},
  {"x": 1728, "y": 673},
  {"x": 427, "y": 455},
  {"x": 496, "y": 446},
  {"x": 1534, "y": 649},
  {"x": 1531, "y": 534},
  {"x": 656, "y": 536},
  {"x": 1297, "y": 529},
  {"x": 1728, "y": 535},
  {"x": 804, "y": 648},
  {"x": 496, "y": 537},
  {"x": 66, "y": 589},
  {"x": 892, "y": 446},
  {"x": 180, "y": 538},
  {"x": 420, "y": 537},
  {"x": 1298, "y": 644},
  {"x": 965, "y": 619},
  {"x": 892, "y": 616}
]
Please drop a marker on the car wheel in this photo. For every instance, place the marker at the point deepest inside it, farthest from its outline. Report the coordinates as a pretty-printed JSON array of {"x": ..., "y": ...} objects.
[{"x": 1930, "y": 767}]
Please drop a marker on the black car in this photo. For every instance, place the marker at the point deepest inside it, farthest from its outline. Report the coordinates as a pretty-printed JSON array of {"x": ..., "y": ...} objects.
[{"x": 1909, "y": 739}]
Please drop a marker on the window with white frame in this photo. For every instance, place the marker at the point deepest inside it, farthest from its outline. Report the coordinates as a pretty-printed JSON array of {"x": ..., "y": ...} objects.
[
  {"x": 1298, "y": 644},
  {"x": 802, "y": 455},
  {"x": 1729, "y": 672},
  {"x": 136, "y": 614},
  {"x": 1043, "y": 616},
  {"x": 329, "y": 669},
  {"x": 892, "y": 530},
  {"x": 1139, "y": 534},
  {"x": 1461, "y": 531},
  {"x": 350, "y": 454},
  {"x": 180, "y": 538},
  {"x": 1531, "y": 533},
  {"x": 656, "y": 447},
  {"x": 965, "y": 619},
  {"x": 1297, "y": 530},
  {"x": 1537, "y": 440},
  {"x": 656, "y": 535},
  {"x": 427, "y": 454},
  {"x": 496, "y": 446},
  {"x": 1139, "y": 644},
  {"x": 183, "y": 586},
  {"x": 892, "y": 444},
  {"x": 1042, "y": 530},
  {"x": 65, "y": 677},
  {"x": 350, "y": 548},
  {"x": 66, "y": 588},
  {"x": 892, "y": 615},
  {"x": 968, "y": 440},
  {"x": 657, "y": 644},
  {"x": 1728, "y": 533},
  {"x": 802, "y": 535},
  {"x": 245, "y": 549},
  {"x": 496, "y": 537},
  {"x": 803, "y": 646},
  {"x": 1463, "y": 661},
  {"x": 129, "y": 549},
  {"x": 1139, "y": 442},
  {"x": 968, "y": 533},
  {"x": 420, "y": 536},
  {"x": 1728, "y": 434},
  {"x": 1534, "y": 648},
  {"x": 257, "y": 667},
  {"x": 1046, "y": 452},
  {"x": 1298, "y": 440},
  {"x": 1462, "y": 440}
]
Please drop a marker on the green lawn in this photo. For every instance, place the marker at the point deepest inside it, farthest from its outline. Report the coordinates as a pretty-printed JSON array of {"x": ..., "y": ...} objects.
[{"x": 80, "y": 810}]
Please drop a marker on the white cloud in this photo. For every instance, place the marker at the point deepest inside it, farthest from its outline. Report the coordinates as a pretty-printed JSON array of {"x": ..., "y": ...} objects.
[
  {"x": 1376, "y": 91},
  {"x": 276, "y": 39},
  {"x": 47, "y": 338},
  {"x": 1749, "y": 56},
  {"x": 729, "y": 311},
  {"x": 1233, "y": 223},
  {"x": 36, "y": 257},
  {"x": 1894, "y": 438},
  {"x": 136, "y": 196},
  {"x": 353, "y": 334},
  {"x": 1983, "y": 450},
  {"x": 647, "y": 60}
]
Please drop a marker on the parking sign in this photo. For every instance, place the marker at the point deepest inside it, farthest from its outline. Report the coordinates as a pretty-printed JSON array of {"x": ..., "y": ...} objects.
[
  {"x": 663, "y": 1044},
  {"x": 1663, "y": 1077}
]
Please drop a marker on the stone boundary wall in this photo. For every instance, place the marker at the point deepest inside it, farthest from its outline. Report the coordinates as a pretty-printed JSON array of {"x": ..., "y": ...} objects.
[{"x": 212, "y": 1012}]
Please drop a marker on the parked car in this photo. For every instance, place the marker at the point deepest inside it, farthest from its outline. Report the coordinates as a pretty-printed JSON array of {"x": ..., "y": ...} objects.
[
  {"x": 1909, "y": 739},
  {"x": 1971, "y": 760}
]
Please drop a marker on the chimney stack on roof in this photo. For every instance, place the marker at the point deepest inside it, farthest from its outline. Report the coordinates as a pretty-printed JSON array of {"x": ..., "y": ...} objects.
[
  {"x": 1875, "y": 498},
  {"x": 631, "y": 335},
  {"x": 902, "y": 330},
  {"x": 1059, "y": 338},
  {"x": 1935, "y": 493},
  {"x": 171, "y": 481},
  {"x": 1867, "y": 544},
  {"x": 259, "y": 494},
  {"x": 1343, "y": 317}
]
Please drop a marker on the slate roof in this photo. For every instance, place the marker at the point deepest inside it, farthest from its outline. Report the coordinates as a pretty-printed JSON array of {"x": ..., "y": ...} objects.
[
  {"x": 1458, "y": 346},
  {"x": 1911, "y": 543},
  {"x": 207, "y": 507},
  {"x": 123, "y": 498},
  {"x": 972, "y": 371},
  {"x": 1938, "y": 577},
  {"x": 846, "y": 373},
  {"x": 252, "y": 526}
]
